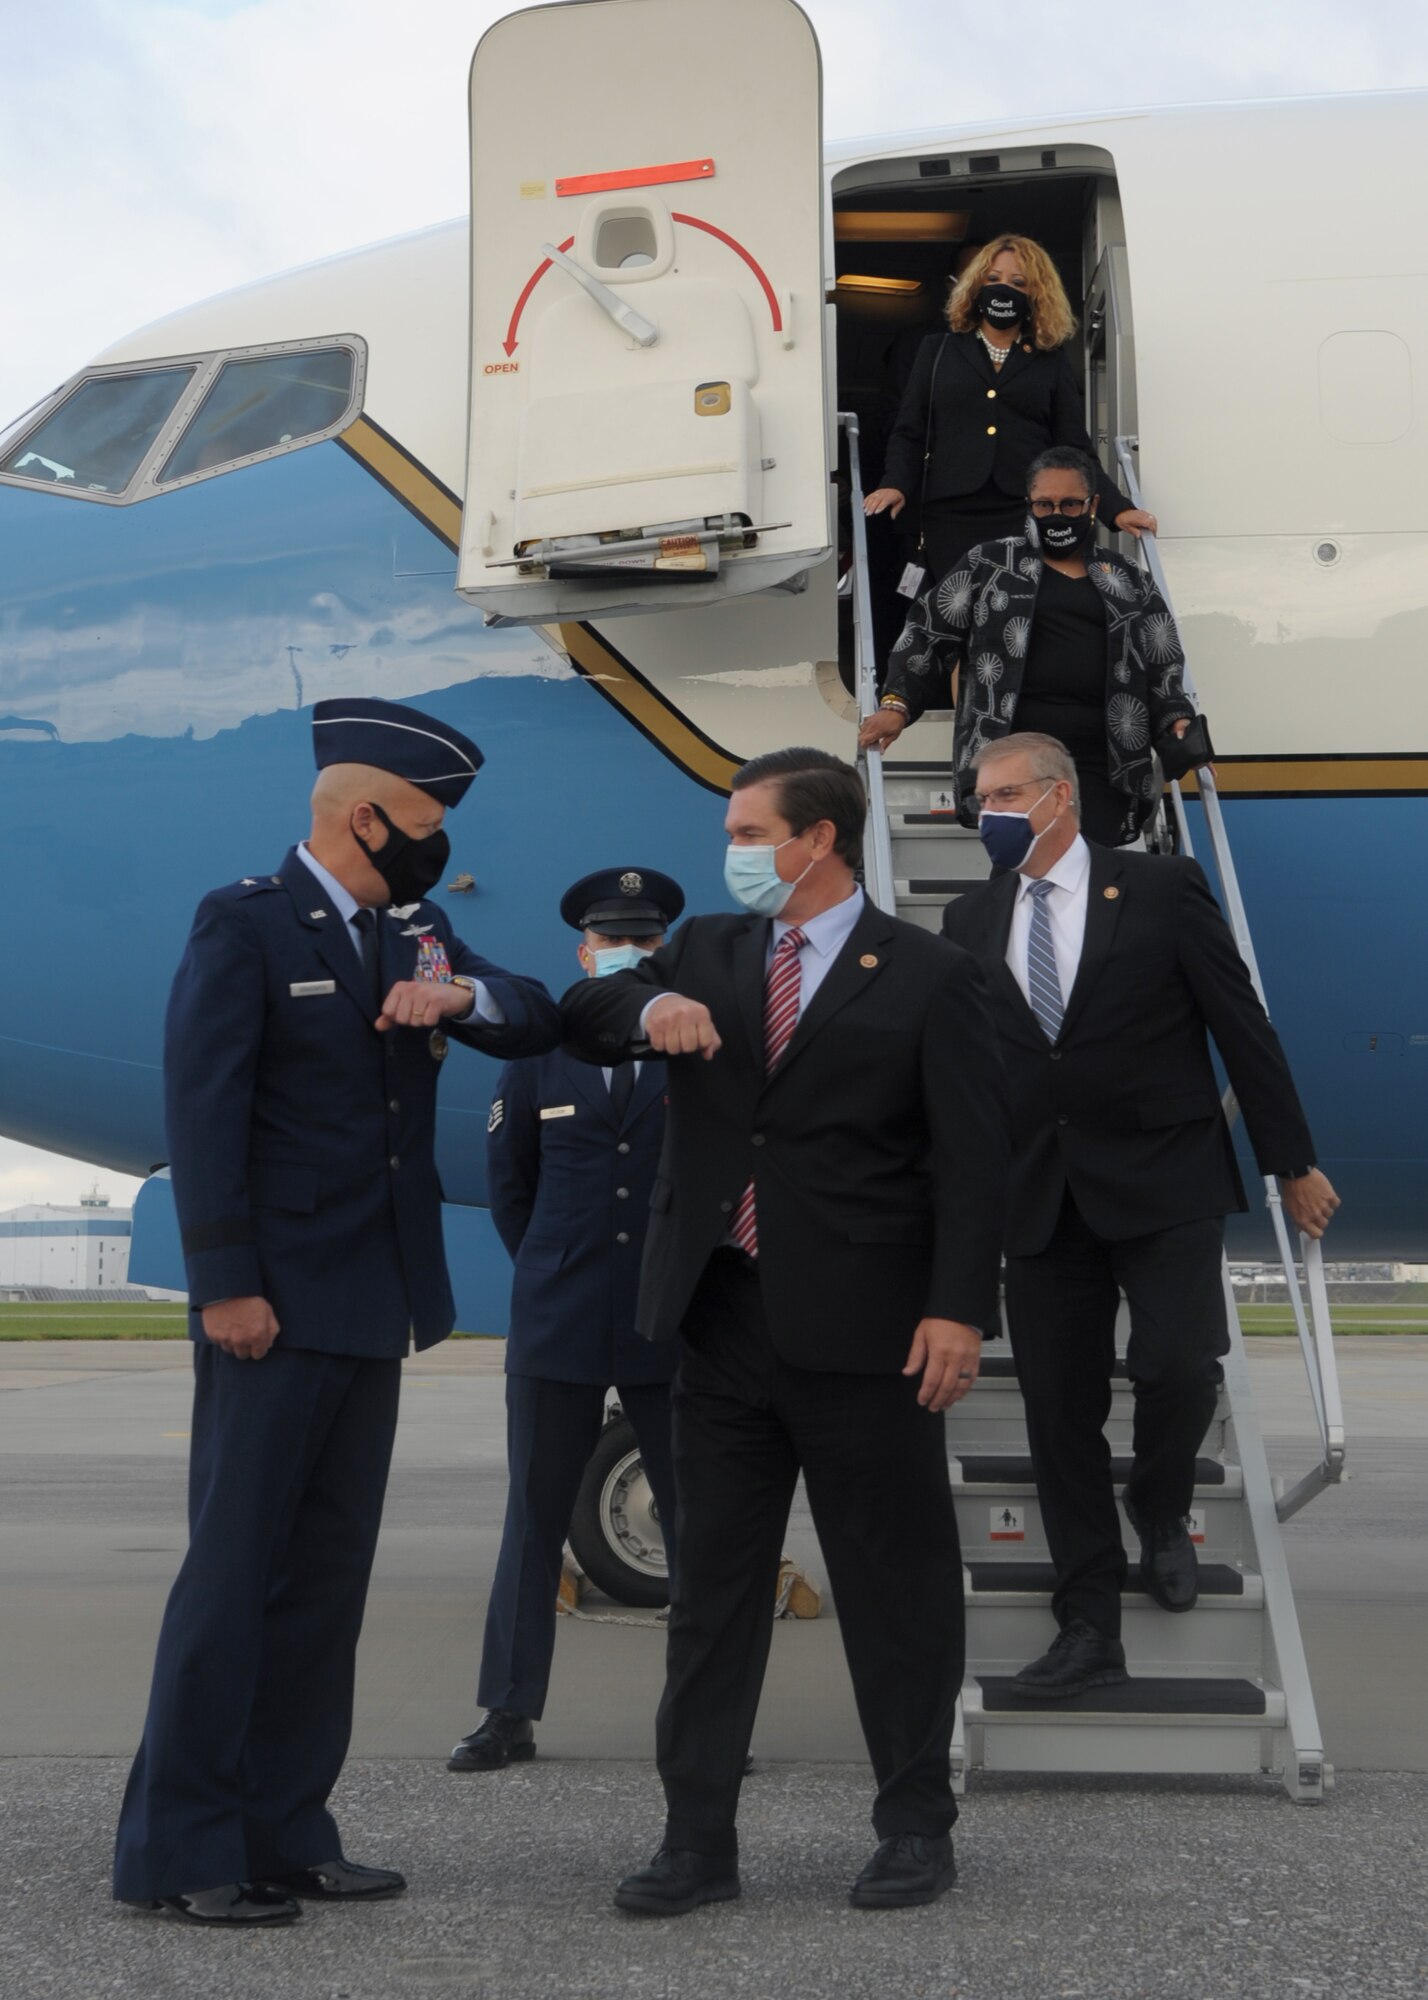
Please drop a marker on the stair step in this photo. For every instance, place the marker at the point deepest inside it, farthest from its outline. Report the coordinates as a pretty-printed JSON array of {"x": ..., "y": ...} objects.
[
  {"x": 994, "y": 1579},
  {"x": 1171, "y": 1696},
  {"x": 1014, "y": 1469}
]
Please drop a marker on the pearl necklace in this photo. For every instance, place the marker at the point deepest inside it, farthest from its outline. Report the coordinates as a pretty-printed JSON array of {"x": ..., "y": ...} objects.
[{"x": 996, "y": 355}]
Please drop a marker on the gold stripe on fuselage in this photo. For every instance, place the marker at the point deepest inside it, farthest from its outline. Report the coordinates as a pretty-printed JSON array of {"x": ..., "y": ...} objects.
[{"x": 594, "y": 658}]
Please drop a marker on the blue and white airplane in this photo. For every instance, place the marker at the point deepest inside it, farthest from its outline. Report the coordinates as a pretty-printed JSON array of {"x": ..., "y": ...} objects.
[{"x": 451, "y": 468}]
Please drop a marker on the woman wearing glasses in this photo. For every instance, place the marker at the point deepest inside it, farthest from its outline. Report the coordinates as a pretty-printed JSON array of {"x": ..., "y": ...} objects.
[
  {"x": 982, "y": 401},
  {"x": 1053, "y": 635}
]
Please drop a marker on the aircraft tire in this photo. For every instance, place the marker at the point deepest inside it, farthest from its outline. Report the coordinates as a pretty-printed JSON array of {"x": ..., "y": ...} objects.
[{"x": 615, "y": 1530}]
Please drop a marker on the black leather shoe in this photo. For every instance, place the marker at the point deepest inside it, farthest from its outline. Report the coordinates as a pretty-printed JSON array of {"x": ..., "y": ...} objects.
[
  {"x": 909, "y": 1868},
  {"x": 678, "y": 1880},
  {"x": 1078, "y": 1658},
  {"x": 339, "y": 1882},
  {"x": 1169, "y": 1572},
  {"x": 231, "y": 1903},
  {"x": 502, "y": 1739}
]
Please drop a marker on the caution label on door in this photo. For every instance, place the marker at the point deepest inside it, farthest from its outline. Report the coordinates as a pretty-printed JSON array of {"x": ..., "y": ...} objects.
[
  {"x": 1196, "y": 1525},
  {"x": 1008, "y": 1524}
]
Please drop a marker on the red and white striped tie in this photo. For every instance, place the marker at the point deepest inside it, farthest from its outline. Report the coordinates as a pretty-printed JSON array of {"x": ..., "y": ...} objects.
[{"x": 782, "y": 988}]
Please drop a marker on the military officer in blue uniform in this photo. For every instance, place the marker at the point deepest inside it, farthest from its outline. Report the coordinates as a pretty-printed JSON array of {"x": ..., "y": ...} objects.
[
  {"x": 571, "y": 1157},
  {"x": 306, "y": 1031}
]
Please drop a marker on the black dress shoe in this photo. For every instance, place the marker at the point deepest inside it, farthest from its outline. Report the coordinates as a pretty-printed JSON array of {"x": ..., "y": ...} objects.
[
  {"x": 339, "y": 1882},
  {"x": 231, "y": 1903},
  {"x": 502, "y": 1739},
  {"x": 678, "y": 1880},
  {"x": 906, "y": 1869},
  {"x": 1078, "y": 1658},
  {"x": 1169, "y": 1572}
]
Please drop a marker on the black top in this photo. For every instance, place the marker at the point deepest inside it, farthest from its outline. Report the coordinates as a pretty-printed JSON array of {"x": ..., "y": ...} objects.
[
  {"x": 1063, "y": 687},
  {"x": 987, "y": 424}
]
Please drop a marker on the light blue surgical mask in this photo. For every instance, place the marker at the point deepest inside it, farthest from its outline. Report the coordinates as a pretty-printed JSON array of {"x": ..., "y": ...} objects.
[
  {"x": 617, "y": 958},
  {"x": 752, "y": 878}
]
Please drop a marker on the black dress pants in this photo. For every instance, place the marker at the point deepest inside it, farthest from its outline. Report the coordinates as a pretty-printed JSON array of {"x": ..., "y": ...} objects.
[
  {"x": 1061, "y": 1314},
  {"x": 551, "y": 1430},
  {"x": 875, "y": 1465}
]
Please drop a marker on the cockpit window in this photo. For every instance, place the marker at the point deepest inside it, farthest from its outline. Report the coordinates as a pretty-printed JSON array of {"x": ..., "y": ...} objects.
[
  {"x": 100, "y": 435},
  {"x": 261, "y": 404}
]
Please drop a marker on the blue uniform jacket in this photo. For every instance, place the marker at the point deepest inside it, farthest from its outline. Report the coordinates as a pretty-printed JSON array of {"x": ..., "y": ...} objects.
[
  {"x": 300, "y": 1139},
  {"x": 570, "y": 1192}
]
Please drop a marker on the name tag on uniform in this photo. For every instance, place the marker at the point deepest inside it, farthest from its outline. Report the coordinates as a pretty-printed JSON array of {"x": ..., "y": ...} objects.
[
  {"x": 557, "y": 1111},
  {"x": 301, "y": 988}
]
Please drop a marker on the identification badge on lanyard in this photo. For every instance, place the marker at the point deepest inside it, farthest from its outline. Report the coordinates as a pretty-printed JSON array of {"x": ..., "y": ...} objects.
[
  {"x": 432, "y": 962},
  {"x": 912, "y": 580}
]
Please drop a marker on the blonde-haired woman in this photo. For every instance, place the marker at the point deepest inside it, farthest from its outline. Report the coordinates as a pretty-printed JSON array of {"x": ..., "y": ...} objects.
[{"x": 983, "y": 400}]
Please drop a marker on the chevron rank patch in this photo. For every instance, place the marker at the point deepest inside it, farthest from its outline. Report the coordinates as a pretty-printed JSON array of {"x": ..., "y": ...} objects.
[{"x": 498, "y": 1112}]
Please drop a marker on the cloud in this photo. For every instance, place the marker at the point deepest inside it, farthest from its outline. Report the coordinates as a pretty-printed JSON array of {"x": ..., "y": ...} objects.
[
  {"x": 27, "y": 1175},
  {"x": 152, "y": 154}
]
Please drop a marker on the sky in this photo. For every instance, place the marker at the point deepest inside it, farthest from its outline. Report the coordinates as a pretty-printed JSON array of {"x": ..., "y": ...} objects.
[{"x": 153, "y": 152}]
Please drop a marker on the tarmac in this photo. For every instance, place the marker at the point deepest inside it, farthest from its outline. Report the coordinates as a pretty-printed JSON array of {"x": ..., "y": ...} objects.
[{"x": 1207, "y": 1889}]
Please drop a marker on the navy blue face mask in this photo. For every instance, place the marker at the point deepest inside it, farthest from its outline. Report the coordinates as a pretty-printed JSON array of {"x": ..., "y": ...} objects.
[{"x": 1008, "y": 837}]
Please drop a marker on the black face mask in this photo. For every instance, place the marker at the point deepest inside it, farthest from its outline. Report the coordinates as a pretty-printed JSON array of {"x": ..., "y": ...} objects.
[
  {"x": 409, "y": 866},
  {"x": 1002, "y": 306},
  {"x": 1061, "y": 537}
]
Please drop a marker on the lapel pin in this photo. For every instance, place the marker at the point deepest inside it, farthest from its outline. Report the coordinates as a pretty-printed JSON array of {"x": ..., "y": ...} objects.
[
  {"x": 1111, "y": 893},
  {"x": 868, "y": 960},
  {"x": 317, "y": 913}
]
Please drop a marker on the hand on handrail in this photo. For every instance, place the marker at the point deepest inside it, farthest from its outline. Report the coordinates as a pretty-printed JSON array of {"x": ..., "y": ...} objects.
[
  {"x": 882, "y": 727},
  {"x": 1309, "y": 1200}
]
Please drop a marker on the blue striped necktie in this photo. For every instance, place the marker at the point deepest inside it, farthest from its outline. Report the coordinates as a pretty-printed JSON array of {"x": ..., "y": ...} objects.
[{"x": 1043, "y": 982}]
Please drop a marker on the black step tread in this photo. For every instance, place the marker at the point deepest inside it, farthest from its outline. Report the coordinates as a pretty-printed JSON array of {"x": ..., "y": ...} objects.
[
  {"x": 943, "y": 885},
  {"x": 1014, "y": 1468},
  {"x": 1216, "y": 1579},
  {"x": 948, "y": 818},
  {"x": 1141, "y": 1695}
]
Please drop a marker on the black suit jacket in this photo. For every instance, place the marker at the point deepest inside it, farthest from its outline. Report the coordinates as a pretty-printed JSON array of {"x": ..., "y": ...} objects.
[
  {"x": 1124, "y": 1106},
  {"x": 878, "y": 1148},
  {"x": 988, "y": 424}
]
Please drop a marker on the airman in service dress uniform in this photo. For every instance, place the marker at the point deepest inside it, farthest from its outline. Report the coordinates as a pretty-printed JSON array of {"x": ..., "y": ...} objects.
[
  {"x": 572, "y": 1152},
  {"x": 305, "y": 1035}
]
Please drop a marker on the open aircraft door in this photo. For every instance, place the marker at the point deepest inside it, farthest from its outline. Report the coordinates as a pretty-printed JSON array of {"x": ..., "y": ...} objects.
[{"x": 647, "y": 422}]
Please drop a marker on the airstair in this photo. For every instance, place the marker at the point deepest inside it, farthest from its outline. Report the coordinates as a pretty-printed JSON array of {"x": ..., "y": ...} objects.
[{"x": 1225, "y": 1687}]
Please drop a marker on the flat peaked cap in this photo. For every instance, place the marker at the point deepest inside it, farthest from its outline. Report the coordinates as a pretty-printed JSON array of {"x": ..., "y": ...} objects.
[
  {"x": 623, "y": 902},
  {"x": 392, "y": 737}
]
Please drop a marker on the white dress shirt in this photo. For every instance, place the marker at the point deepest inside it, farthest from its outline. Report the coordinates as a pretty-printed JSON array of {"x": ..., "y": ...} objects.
[
  {"x": 1066, "y": 911},
  {"x": 347, "y": 906}
]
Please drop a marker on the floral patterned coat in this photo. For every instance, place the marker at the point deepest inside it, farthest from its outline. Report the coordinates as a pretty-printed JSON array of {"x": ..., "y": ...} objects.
[{"x": 979, "y": 618}]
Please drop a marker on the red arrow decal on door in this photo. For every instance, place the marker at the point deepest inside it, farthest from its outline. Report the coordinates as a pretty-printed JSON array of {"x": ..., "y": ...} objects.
[
  {"x": 752, "y": 262},
  {"x": 510, "y": 342}
]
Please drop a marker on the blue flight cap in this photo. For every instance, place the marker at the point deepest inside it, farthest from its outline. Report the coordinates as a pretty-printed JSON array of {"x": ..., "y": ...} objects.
[
  {"x": 623, "y": 902},
  {"x": 391, "y": 737}
]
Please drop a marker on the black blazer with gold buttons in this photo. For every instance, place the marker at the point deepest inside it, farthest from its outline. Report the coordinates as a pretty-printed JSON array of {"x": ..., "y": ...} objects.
[{"x": 987, "y": 424}]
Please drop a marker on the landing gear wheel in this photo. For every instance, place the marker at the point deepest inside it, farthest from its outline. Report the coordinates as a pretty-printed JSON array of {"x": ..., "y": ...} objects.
[{"x": 616, "y": 1533}]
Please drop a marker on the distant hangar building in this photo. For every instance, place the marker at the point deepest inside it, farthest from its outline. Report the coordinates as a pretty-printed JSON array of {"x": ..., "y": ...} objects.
[{"x": 85, "y": 1248}]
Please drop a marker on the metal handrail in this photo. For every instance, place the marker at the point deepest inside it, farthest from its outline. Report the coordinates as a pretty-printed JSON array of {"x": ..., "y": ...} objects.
[
  {"x": 878, "y": 877},
  {"x": 1315, "y": 1330}
]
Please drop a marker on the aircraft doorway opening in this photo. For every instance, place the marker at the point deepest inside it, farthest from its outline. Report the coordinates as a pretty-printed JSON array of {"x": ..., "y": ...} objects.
[{"x": 903, "y": 231}]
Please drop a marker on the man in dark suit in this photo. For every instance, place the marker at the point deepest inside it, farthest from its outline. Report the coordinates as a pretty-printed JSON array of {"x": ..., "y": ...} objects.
[
  {"x": 1108, "y": 970},
  {"x": 571, "y": 1153},
  {"x": 823, "y": 1251},
  {"x": 306, "y": 1030}
]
